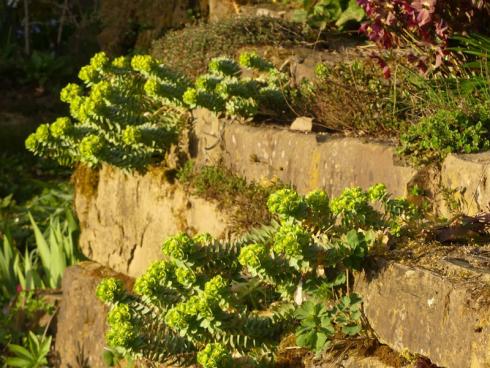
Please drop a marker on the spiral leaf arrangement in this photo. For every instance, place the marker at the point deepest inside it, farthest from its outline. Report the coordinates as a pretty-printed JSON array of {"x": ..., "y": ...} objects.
[
  {"x": 222, "y": 304},
  {"x": 128, "y": 111},
  {"x": 115, "y": 114},
  {"x": 224, "y": 89}
]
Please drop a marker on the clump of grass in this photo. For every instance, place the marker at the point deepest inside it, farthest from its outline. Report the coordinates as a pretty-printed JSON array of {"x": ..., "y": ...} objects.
[
  {"x": 206, "y": 41},
  {"x": 247, "y": 202},
  {"x": 353, "y": 98}
]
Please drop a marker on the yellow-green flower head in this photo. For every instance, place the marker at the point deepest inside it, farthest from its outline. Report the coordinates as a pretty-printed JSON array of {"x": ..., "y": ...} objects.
[
  {"x": 179, "y": 246},
  {"x": 351, "y": 199},
  {"x": 197, "y": 305},
  {"x": 177, "y": 318},
  {"x": 42, "y": 133},
  {"x": 158, "y": 276},
  {"x": 60, "y": 127},
  {"x": 100, "y": 91},
  {"x": 70, "y": 92},
  {"x": 214, "y": 355},
  {"x": 224, "y": 66},
  {"x": 287, "y": 203},
  {"x": 207, "y": 82},
  {"x": 90, "y": 146},
  {"x": 203, "y": 239},
  {"x": 131, "y": 135},
  {"x": 216, "y": 288},
  {"x": 253, "y": 255},
  {"x": 121, "y": 62},
  {"x": 291, "y": 240},
  {"x": 377, "y": 192},
  {"x": 143, "y": 63},
  {"x": 185, "y": 276},
  {"x": 99, "y": 61},
  {"x": 240, "y": 106},
  {"x": 110, "y": 290},
  {"x": 119, "y": 313},
  {"x": 317, "y": 199},
  {"x": 88, "y": 74},
  {"x": 121, "y": 335},
  {"x": 31, "y": 142},
  {"x": 190, "y": 97},
  {"x": 252, "y": 60},
  {"x": 151, "y": 87}
]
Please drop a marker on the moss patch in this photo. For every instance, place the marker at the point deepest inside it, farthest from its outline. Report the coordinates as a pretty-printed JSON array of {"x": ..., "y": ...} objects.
[
  {"x": 86, "y": 180},
  {"x": 246, "y": 202}
]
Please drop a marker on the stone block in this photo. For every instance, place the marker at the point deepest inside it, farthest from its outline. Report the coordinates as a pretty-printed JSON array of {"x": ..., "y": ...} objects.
[
  {"x": 467, "y": 176},
  {"x": 126, "y": 218},
  {"x": 307, "y": 161},
  {"x": 81, "y": 326},
  {"x": 421, "y": 311}
]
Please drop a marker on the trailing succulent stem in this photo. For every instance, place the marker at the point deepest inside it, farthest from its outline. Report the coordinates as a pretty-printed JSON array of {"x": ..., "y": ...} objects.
[
  {"x": 128, "y": 111},
  {"x": 227, "y": 304}
]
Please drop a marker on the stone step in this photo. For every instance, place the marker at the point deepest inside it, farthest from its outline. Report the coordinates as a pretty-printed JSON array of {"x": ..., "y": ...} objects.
[{"x": 438, "y": 310}]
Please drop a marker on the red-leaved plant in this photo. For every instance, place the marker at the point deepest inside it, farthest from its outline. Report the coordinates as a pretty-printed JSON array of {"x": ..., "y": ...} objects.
[{"x": 424, "y": 25}]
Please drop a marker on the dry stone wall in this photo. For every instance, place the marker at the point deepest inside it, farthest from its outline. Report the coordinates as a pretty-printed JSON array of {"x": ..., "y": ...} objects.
[
  {"x": 127, "y": 218},
  {"x": 422, "y": 309},
  {"x": 306, "y": 160}
]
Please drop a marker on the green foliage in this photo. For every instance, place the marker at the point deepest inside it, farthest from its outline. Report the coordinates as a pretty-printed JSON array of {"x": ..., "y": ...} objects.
[
  {"x": 210, "y": 40},
  {"x": 447, "y": 131},
  {"x": 43, "y": 66},
  {"x": 223, "y": 89},
  {"x": 245, "y": 202},
  {"x": 130, "y": 110},
  {"x": 324, "y": 13},
  {"x": 43, "y": 267},
  {"x": 115, "y": 117},
  {"x": 110, "y": 290},
  {"x": 319, "y": 324},
  {"x": 354, "y": 97},
  {"x": 32, "y": 355},
  {"x": 214, "y": 356},
  {"x": 222, "y": 304}
]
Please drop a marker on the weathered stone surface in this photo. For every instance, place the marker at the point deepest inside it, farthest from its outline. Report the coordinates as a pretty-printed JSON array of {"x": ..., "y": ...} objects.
[
  {"x": 81, "y": 319},
  {"x": 221, "y": 9},
  {"x": 468, "y": 176},
  {"x": 446, "y": 319},
  {"x": 308, "y": 161},
  {"x": 302, "y": 124},
  {"x": 126, "y": 219}
]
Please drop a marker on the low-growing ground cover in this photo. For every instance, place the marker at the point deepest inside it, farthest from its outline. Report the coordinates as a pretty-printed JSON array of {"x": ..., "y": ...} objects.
[{"x": 224, "y": 304}]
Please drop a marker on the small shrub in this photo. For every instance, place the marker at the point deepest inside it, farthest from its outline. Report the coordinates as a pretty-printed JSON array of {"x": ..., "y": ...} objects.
[
  {"x": 115, "y": 115},
  {"x": 444, "y": 132},
  {"x": 339, "y": 13},
  {"x": 426, "y": 26},
  {"x": 227, "y": 304},
  {"x": 354, "y": 98},
  {"x": 207, "y": 41},
  {"x": 224, "y": 89}
]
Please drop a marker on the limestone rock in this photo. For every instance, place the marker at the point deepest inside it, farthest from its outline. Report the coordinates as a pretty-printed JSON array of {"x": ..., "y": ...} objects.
[
  {"x": 467, "y": 177},
  {"x": 307, "y": 161},
  {"x": 222, "y": 9},
  {"x": 414, "y": 309},
  {"x": 80, "y": 336},
  {"x": 303, "y": 124},
  {"x": 126, "y": 218}
]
